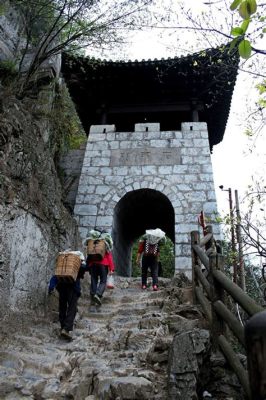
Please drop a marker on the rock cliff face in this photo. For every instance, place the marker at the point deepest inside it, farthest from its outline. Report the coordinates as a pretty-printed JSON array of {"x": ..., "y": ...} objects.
[
  {"x": 11, "y": 40},
  {"x": 34, "y": 224}
]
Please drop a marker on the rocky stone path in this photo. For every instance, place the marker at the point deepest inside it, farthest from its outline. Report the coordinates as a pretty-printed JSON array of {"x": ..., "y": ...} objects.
[{"x": 120, "y": 350}]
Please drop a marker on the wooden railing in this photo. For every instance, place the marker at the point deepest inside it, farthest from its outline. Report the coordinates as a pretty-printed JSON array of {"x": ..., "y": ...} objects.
[{"x": 212, "y": 288}]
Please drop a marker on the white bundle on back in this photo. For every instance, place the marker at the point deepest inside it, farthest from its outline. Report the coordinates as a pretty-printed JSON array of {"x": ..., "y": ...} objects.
[{"x": 153, "y": 236}]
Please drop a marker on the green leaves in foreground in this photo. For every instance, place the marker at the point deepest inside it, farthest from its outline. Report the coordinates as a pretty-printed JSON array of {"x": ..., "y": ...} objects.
[
  {"x": 262, "y": 92},
  {"x": 235, "y": 4},
  {"x": 245, "y": 9},
  {"x": 244, "y": 49}
]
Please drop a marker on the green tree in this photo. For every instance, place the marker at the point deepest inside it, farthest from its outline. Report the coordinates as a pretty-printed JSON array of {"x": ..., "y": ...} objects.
[
  {"x": 53, "y": 26},
  {"x": 248, "y": 12}
]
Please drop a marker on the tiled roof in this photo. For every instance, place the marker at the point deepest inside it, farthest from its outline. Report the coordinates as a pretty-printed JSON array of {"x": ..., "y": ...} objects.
[{"x": 207, "y": 77}]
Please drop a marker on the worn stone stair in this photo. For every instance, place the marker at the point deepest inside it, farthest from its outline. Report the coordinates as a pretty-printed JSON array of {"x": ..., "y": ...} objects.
[{"x": 120, "y": 350}]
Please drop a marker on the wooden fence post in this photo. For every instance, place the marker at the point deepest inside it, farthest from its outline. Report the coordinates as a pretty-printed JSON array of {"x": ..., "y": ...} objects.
[
  {"x": 195, "y": 238},
  {"x": 209, "y": 243},
  {"x": 255, "y": 336},
  {"x": 217, "y": 293}
]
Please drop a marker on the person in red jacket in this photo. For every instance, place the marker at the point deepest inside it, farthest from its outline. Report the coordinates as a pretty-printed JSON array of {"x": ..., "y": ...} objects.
[
  {"x": 99, "y": 271},
  {"x": 148, "y": 256}
]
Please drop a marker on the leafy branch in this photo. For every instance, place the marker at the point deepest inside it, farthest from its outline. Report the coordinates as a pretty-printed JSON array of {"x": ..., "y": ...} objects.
[
  {"x": 53, "y": 26},
  {"x": 246, "y": 9}
]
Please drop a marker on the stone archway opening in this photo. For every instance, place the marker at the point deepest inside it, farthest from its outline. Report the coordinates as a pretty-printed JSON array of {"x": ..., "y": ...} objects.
[{"x": 135, "y": 212}]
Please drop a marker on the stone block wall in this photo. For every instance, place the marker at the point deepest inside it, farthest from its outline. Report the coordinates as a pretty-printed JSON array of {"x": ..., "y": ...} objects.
[
  {"x": 176, "y": 163},
  {"x": 71, "y": 164}
]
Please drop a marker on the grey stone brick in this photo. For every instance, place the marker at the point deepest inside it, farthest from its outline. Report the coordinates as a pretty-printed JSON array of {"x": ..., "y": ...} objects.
[
  {"x": 204, "y": 143},
  {"x": 151, "y": 135},
  {"x": 102, "y": 128},
  {"x": 104, "y": 221},
  {"x": 102, "y": 189},
  {"x": 88, "y": 221},
  {"x": 184, "y": 176},
  {"x": 144, "y": 127},
  {"x": 85, "y": 209},
  {"x": 113, "y": 145}
]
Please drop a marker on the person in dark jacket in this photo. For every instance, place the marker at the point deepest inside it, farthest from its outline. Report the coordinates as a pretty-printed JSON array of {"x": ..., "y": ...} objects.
[{"x": 69, "y": 293}]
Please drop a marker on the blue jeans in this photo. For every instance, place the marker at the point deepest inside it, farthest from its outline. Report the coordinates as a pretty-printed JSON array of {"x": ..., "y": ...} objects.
[{"x": 99, "y": 274}]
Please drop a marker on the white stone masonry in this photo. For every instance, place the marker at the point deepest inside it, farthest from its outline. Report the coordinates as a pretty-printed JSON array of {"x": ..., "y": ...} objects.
[{"x": 176, "y": 163}]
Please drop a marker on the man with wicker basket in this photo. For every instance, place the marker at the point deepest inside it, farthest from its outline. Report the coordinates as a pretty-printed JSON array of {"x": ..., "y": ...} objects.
[
  {"x": 70, "y": 268},
  {"x": 99, "y": 262}
]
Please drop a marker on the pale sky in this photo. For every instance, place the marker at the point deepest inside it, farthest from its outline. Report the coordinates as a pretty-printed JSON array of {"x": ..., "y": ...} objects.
[{"x": 233, "y": 165}]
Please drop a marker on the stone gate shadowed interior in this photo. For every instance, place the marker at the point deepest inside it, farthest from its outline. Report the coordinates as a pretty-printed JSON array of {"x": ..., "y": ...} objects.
[{"x": 136, "y": 211}]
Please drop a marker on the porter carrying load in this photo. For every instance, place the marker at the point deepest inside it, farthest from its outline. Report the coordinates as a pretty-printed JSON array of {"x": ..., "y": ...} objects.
[
  {"x": 152, "y": 240},
  {"x": 148, "y": 255},
  {"x": 67, "y": 265},
  {"x": 97, "y": 243}
]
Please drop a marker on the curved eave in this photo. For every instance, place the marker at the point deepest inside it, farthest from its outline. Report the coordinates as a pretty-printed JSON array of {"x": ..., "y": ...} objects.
[{"x": 208, "y": 76}]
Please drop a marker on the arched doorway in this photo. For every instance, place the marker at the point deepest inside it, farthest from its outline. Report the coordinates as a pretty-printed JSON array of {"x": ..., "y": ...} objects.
[{"x": 135, "y": 212}]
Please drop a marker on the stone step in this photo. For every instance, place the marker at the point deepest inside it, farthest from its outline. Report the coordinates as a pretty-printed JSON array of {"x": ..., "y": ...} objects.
[{"x": 119, "y": 350}]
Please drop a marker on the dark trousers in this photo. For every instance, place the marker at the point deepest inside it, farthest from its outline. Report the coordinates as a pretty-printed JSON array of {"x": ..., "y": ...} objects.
[
  {"x": 68, "y": 300},
  {"x": 149, "y": 262},
  {"x": 99, "y": 274}
]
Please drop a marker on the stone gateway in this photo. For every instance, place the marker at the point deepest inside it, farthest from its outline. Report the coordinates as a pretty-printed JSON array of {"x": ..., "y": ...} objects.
[
  {"x": 144, "y": 165},
  {"x": 131, "y": 181}
]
